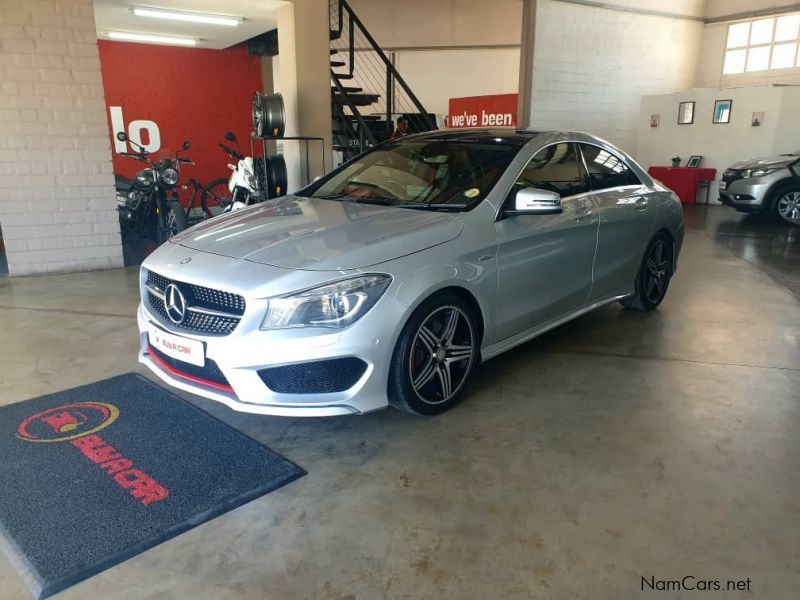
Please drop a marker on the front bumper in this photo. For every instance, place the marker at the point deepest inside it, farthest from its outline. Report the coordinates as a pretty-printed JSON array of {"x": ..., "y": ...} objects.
[
  {"x": 748, "y": 195},
  {"x": 240, "y": 356},
  {"x": 741, "y": 202}
]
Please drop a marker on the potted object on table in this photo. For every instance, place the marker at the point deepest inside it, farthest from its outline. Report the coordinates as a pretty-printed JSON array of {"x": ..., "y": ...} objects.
[{"x": 676, "y": 162}]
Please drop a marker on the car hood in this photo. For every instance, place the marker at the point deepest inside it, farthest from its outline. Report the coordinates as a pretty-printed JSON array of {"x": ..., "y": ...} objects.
[
  {"x": 768, "y": 162},
  {"x": 294, "y": 232}
]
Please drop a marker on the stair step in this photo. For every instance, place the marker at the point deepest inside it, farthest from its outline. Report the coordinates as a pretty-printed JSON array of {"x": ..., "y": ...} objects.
[
  {"x": 335, "y": 35},
  {"x": 348, "y": 89},
  {"x": 334, "y": 51},
  {"x": 358, "y": 99},
  {"x": 343, "y": 76},
  {"x": 353, "y": 119},
  {"x": 337, "y": 63}
]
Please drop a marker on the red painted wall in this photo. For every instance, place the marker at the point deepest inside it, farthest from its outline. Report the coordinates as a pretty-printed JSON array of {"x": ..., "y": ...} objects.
[{"x": 191, "y": 94}]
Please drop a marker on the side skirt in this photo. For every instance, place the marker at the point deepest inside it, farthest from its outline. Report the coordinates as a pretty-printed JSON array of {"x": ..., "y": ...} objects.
[{"x": 490, "y": 352}]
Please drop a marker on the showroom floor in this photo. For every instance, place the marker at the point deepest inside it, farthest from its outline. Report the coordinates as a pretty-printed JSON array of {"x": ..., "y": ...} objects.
[{"x": 619, "y": 446}]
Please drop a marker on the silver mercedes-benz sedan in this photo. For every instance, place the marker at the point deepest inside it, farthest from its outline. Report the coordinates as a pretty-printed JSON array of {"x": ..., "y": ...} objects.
[{"x": 388, "y": 280}]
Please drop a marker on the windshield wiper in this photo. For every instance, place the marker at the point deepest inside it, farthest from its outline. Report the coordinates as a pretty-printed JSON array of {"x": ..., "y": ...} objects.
[
  {"x": 333, "y": 197},
  {"x": 432, "y": 206}
]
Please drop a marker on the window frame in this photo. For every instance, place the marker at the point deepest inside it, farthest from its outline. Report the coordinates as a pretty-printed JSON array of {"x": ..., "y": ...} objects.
[
  {"x": 768, "y": 45},
  {"x": 578, "y": 160},
  {"x": 615, "y": 155}
]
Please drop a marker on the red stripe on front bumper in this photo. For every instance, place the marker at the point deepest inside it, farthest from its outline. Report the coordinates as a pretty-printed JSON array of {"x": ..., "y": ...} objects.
[{"x": 173, "y": 371}]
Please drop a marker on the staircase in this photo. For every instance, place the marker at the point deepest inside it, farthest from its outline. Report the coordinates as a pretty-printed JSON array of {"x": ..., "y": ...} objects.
[{"x": 367, "y": 92}]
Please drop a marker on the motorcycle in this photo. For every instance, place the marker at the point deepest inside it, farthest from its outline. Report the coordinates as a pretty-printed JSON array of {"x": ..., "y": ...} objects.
[
  {"x": 243, "y": 184},
  {"x": 148, "y": 205},
  {"x": 253, "y": 181}
]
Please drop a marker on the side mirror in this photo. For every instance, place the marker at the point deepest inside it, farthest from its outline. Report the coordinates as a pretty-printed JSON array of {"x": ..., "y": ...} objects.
[
  {"x": 186, "y": 145},
  {"x": 533, "y": 201},
  {"x": 229, "y": 136},
  {"x": 121, "y": 136}
]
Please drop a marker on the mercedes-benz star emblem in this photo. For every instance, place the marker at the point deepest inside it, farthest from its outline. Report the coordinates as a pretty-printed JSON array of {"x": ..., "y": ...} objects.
[{"x": 174, "y": 304}]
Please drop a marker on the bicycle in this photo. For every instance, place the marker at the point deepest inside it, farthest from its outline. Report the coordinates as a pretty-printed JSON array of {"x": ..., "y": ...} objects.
[{"x": 214, "y": 198}]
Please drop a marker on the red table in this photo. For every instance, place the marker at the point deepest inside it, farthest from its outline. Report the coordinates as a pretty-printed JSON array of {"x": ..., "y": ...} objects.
[{"x": 682, "y": 180}]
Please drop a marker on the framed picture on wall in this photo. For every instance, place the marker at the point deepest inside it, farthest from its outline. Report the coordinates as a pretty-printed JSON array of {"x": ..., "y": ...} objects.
[
  {"x": 655, "y": 120},
  {"x": 686, "y": 113},
  {"x": 722, "y": 111},
  {"x": 694, "y": 161},
  {"x": 758, "y": 119}
]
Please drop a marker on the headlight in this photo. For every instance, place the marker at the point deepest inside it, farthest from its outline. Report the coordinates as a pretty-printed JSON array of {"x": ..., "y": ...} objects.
[
  {"x": 169, "y": 176},
  {"x": 334, "y": 305},
  {"x": 760, "y": 172}
]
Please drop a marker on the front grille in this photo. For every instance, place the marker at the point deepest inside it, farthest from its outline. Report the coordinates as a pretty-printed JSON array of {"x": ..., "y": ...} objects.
[
  {"x": 731, "y": 175},
  {"x": 197, "y": 297},
  {"x": 317, "y": 377},
  {"x": 210, "y": 372}
]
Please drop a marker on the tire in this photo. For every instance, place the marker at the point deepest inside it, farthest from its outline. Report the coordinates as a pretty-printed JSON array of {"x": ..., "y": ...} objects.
[
  {"x": 216, "y": 197},
  {"x": 656, "y": 267},
  {"x": 434, "y": 356},
  {"x": 175, "y": 220},
  {"x": 784, "y": 204}
]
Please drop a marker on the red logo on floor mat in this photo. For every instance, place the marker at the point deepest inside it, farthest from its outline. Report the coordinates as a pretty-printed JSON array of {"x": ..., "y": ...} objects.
[
  {"x": 78, "y": 424},
  {"x": 69, "y": 422}
]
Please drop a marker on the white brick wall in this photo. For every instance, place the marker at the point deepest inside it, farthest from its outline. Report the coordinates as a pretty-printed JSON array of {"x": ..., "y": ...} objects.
[
  {"x": 593, "y": 65},
  {"x": 57, "y": 205}
]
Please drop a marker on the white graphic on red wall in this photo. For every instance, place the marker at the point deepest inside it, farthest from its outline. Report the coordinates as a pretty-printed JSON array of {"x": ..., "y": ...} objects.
[{"x": 141, "y": 131}]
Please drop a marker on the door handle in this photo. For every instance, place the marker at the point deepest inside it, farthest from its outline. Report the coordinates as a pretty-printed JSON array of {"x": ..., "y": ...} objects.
[{"x": 640, "y": 204}]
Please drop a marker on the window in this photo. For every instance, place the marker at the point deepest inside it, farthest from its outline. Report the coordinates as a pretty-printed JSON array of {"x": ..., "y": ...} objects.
[
  {"x": 421, "y": 173},
  {"x": 554, "y": 168},
  {"x": 605, "y": 169},
  {"x": 762, "y": 44}
]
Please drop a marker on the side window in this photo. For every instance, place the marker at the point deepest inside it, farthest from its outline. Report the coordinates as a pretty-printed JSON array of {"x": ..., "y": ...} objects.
[
  {"x": 556, "y": 169},
  {"x": 605, "y": 169}
]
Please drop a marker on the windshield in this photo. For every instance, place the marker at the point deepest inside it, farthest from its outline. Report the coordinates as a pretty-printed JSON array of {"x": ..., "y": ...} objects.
[{"x": 424, "y": 173}]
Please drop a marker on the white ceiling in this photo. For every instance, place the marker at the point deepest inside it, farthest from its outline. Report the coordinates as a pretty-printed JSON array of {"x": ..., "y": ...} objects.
[{"x": 259, "y": 15}]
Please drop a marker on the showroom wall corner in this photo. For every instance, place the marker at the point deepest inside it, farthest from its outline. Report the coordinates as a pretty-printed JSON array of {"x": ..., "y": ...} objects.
[{"x": 57, "y": 201}]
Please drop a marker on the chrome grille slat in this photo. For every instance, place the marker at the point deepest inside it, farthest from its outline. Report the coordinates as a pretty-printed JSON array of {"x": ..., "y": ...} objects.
[{"x": 209, "y": 311}]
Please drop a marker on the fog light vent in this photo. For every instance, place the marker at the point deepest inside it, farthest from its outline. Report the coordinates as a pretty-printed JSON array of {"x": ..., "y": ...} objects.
[{"x": 317, "y": 377}]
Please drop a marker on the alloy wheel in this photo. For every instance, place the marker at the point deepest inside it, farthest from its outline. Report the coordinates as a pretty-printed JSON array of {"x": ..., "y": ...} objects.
[
  {"x": 441, "y": 355},
  {"x": 658, "y": 265},
  {"x": 789, "y": 207}
]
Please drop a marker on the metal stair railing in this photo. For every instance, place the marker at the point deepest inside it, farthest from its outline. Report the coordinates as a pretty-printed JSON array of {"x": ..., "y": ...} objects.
[{"x": 372, "y": 80}]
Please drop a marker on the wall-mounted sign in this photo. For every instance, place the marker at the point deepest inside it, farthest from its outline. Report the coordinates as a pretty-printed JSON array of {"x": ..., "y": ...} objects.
[{"x": 497, "y": 110}]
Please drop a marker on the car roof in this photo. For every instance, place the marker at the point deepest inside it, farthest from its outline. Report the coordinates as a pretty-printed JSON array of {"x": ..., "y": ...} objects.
[{"x": 478, "y": 134}]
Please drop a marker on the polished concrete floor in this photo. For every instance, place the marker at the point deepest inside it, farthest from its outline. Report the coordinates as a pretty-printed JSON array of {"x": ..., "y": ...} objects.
[{"x": 620, "y": 446}]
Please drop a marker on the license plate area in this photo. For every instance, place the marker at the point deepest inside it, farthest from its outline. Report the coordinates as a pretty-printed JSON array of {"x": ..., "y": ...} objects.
[
  {"x": 723, "y": 185},
  {"x": 177, "y": 347}
]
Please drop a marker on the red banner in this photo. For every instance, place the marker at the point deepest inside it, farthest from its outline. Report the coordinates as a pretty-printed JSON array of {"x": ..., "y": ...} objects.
[{"x": 498, "y": 110}]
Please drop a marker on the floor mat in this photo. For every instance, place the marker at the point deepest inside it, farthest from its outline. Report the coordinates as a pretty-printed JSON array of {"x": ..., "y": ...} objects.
[{"x": 94, "y": 475}]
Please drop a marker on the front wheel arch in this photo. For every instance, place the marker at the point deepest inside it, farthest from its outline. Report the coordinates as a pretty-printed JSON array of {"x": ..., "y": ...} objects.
[{"x": 402, "y": 390}]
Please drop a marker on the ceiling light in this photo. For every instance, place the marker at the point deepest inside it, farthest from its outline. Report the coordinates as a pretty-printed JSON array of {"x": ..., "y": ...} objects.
[
  {"x": 186, "y": 16},
  {"x": 151, "y": 39}
]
